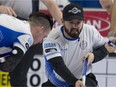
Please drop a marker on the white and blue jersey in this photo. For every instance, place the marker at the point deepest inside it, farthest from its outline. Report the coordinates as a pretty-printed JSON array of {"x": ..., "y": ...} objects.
[
  {"x": 71, "y": 50},
  {"x": 14, "y": 32}
]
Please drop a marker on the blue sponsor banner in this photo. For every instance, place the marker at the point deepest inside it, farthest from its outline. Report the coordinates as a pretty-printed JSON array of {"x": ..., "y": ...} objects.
[{"x": 87, "y": 3}]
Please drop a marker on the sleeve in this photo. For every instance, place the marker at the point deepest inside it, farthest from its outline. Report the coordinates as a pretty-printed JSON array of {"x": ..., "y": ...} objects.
[
  {"x": 99, "y": 50},
  {"x": 57, "y": 63},
  {"x": 52, "y": 52},
  {"x": 12, "y": 61},
  {"x": 99, "y": 53},
  {"x": 23, "y": 42},
  {"x": 51, "y": 49},
  {"x": 98, "y": 40}
]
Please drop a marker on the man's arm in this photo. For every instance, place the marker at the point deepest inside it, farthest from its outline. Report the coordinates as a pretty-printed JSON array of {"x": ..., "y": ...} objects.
[
  {"x": 12, "y": 61},
  {"x": 100, "y": 53},
  {"x": 53, "y": 9},
  {"x": 7, "y": 10},
  {"x": 110, "y": 6},
  {"x": 113, "y": 19},
  {"x": 61, "y": 69},
  {"x": 103, "y": 51},
  {"x": 107, "y": 4}
]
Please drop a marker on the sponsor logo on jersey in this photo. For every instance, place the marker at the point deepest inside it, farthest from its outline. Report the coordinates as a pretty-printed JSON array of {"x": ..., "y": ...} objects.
[
  {"x": 50, "y": 50},
  {"x": 49, "y": 45},
  {"x": 83, "y": 44},
  {"x": 64, "y": 49}
]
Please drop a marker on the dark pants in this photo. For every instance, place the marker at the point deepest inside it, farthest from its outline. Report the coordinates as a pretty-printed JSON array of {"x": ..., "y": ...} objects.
[
  {"x": 90, "y": 82},
  {"x": 18, "y": 77},
  {"x": 48, "y": 84}
]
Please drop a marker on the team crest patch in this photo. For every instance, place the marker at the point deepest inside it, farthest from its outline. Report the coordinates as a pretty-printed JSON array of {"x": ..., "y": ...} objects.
[{"x": 83, "y": 44}]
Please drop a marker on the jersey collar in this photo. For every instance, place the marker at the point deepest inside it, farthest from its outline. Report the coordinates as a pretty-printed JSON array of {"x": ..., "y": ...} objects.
[{"x": 71, "y": 39}]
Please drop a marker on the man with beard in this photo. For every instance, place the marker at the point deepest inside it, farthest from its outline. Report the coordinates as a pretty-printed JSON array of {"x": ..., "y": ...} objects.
[{"x": 68, "y": 45}]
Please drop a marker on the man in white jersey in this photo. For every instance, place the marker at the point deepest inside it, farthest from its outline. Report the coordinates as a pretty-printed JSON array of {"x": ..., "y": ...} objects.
[
  {"x": 66, "y": 47},
  {"x": 17, "y": 36}
]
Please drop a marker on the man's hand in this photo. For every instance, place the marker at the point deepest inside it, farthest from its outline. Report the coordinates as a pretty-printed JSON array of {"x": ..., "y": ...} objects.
[
  {"x": 90, "y": 57},
  {"x": 7, "y": 10},
  {"x": 113, "y": 39},
  {"x": 79, "y": 83},
  {"x": 110, "y": 48}
]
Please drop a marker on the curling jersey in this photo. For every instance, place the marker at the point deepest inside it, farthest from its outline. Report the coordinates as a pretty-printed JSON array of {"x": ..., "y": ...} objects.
[
  {"x": 71, "y": 50},
  {"x": 14, "y": 32}
]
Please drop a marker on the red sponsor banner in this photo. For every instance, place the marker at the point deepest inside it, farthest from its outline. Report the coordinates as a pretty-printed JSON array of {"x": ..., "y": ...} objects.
[
  {"x": 96, "y": 17},
  {"x": 99, "y": 19}
]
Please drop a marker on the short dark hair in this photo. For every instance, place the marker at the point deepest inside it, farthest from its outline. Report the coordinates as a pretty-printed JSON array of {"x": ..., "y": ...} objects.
[{"x": 41, "y": 18}]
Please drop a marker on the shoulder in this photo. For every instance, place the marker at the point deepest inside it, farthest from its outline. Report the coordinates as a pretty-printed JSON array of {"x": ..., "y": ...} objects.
[
  {"x": 53, "y": 35},
  {"x": 55, "y": 32},
  {"x": 14, "y": 24},
  {"x": 89, "y": 27}
]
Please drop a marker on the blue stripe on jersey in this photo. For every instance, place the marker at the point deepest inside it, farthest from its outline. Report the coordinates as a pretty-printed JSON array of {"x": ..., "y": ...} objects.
[
  {"x": 6, "y": 54},
  {"x": 8, "y": 36},
  {"x": 71, "y": 39},
  {"x": 51, "y": 75}
]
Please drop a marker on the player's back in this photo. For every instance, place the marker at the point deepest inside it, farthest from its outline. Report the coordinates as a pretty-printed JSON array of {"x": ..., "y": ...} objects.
[{"x": 12, "y": 30}]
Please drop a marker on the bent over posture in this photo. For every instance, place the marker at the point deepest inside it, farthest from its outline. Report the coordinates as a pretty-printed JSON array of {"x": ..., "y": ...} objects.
[{"x": 17, "y": 36}]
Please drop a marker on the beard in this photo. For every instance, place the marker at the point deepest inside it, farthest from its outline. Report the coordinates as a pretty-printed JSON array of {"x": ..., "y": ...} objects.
[{"x": 73, "y": 33}]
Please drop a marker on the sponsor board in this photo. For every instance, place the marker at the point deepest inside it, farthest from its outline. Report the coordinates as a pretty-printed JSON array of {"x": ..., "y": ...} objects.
[
  {"x": 99, "y": 19},
  {"x": 4, "y": 79}
]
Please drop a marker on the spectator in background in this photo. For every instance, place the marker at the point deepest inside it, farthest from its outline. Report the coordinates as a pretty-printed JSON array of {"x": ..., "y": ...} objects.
[
  {"x": 23, "y": 8},
  {"x": 110, "y": 6},
  {"x": 16, "y": 7}
]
